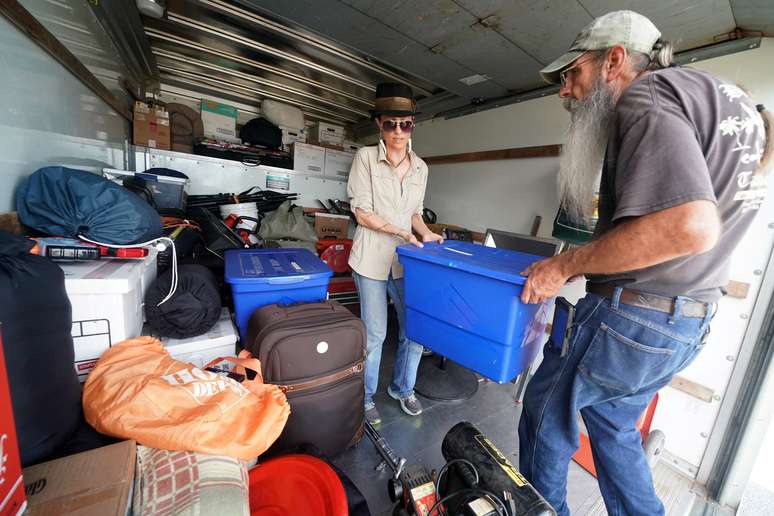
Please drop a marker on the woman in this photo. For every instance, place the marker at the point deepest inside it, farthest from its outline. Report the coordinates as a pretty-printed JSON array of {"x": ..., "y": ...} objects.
[{"x": 386, "y": 190}]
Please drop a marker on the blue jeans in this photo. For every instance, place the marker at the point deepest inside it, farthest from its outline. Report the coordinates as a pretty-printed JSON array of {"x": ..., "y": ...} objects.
[
  {"x": 373, "y": 310},
  {"x": 619, "y": 357}
]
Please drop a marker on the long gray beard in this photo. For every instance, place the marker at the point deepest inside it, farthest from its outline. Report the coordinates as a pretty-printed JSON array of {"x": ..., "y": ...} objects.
[{"x": 580, "y": 163}]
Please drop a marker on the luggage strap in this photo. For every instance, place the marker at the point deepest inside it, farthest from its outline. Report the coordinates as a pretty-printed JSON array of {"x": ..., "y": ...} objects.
[{"x": 333, "y": 377}]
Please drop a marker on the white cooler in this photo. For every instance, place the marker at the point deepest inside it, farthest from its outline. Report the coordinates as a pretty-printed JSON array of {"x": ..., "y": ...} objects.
[
  {"x": 220, "y": 341},
  {"x": 107, "y": 301}
]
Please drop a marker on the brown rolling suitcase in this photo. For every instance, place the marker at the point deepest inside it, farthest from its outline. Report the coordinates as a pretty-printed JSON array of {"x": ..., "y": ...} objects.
[{"x": 316, "y": 353}]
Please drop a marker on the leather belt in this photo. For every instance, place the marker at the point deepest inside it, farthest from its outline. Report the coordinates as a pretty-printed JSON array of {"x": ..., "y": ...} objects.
[{"x": 649, "y": 301}]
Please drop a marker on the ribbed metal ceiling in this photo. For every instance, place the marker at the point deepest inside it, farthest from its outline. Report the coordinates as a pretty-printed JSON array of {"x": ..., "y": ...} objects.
[{"x": 326, "y": 56}]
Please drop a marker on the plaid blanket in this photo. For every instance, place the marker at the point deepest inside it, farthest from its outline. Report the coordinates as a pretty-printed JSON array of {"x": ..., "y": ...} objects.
[{"x": 182, "y": 483}]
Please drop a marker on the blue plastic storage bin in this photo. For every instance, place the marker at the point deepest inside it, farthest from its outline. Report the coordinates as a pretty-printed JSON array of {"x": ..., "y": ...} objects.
[
  {"x": 462, "y": 301},
  {"x": 261, "y": 277}
]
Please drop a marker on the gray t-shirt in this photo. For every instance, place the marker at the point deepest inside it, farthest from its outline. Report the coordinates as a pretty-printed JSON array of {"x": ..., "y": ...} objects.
[{"x": 680, "y": 135}]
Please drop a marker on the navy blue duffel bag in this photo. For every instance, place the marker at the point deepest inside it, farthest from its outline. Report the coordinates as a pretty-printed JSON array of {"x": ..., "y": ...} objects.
[{"x": 66, "y": 202}]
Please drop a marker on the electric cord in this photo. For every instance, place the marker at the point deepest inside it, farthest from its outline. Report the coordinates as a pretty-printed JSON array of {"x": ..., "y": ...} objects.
[
  {"x": 470, "y": 491},
  {"x": 445, "y": 468},
  {"x": 161, "y": 248},
  {"x": 500, "y": 506}
]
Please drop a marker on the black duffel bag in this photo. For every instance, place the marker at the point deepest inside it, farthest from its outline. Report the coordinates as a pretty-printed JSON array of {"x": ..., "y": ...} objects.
[
  {"x": 261, "y": 133},
  {"x": 36, "y": 324}
]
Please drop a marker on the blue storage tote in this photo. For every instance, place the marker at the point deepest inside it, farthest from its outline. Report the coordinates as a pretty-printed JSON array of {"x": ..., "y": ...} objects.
[
  {"x": 261, "y": 277},
  {"x": 462, "y": 301}
]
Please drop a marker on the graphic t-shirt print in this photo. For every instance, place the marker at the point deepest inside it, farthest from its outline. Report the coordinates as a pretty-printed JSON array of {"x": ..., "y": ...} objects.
[{"x": 751, "y": 185}]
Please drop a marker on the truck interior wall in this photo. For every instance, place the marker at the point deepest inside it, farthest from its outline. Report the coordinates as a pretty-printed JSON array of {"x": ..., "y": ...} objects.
[
  {"x": 485, "y": 194},
  {"x": 48, "y": 117},
  {"x": 508, "y": 194}
]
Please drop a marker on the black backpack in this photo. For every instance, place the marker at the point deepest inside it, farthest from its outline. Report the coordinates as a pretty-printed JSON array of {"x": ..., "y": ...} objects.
[{"x": 261, "y": 133}]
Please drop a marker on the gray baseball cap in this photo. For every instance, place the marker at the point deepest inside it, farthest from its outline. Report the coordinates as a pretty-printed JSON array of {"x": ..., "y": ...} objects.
[{"x": 632, "y": 30}]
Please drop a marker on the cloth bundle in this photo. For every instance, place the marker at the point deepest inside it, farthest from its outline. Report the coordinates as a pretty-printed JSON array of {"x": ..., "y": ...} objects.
[{"x": 193, "y": 309}]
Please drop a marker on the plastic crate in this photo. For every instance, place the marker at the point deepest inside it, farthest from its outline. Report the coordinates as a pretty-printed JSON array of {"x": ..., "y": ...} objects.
[
  {"x": 462, "y": 301},
  {"x": 260, "y": 277},
  {"x": 170, "y": 190}
]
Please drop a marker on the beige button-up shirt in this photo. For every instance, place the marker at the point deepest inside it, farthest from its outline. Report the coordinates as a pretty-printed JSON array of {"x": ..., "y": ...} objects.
[{"x": 374, "y": 187}]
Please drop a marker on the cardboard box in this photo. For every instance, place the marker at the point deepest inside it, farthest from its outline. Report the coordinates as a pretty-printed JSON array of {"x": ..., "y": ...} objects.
[
  {"x": 291, "y": 136},
  {"x": 107, "y": 303},
  {"x": 219, "y": 121},
  {"x": 93, "y": 483},
  {"x": 12, "y": 501},
  {"x": 322, "y": 132},
  {"x": 351, "y": 146},
  {"x": 308, "y": 159},
  {"x": 338, "y": 163},
  {"x": 151, "y": 126},
  {"x": 329, "y": 225}
]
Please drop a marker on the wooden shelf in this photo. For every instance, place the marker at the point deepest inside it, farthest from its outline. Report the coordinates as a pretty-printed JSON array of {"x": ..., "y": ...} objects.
[{"x": 540, "y": 151}]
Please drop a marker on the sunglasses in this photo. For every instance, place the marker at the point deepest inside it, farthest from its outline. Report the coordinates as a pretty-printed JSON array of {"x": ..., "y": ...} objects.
[
  {"x": 390, "y": 125},
  {"x": 563, "y": 73}
]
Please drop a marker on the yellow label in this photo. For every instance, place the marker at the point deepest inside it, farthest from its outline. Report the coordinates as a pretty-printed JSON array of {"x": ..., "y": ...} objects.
[{"x": 498, "y": 457}]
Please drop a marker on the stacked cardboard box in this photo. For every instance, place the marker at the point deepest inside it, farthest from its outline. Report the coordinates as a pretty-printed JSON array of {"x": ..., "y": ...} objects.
[{"x": 151, "y": 126}]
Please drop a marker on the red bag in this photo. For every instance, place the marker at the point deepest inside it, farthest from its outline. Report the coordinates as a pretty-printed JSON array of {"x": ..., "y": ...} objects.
[{"x": 137, "y": 391}]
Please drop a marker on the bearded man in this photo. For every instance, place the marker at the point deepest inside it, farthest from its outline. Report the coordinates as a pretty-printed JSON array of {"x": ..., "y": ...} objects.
[{"x": 681, "y": 154}]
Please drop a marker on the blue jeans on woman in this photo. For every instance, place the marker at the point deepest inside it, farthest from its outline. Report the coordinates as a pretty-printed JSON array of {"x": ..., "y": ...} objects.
[
  {"x": 619, "y": 357},
  {"x": 373, "y": 311}
]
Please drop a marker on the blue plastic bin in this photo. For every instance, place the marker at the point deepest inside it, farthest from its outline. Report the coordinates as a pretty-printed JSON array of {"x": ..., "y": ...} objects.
[
  {"x": 462, "y": 301},
  {"x": 261, "y": 277}
]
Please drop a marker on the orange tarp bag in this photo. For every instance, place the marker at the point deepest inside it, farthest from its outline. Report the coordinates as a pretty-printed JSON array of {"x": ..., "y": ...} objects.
[{"x": 137, "y": 391}]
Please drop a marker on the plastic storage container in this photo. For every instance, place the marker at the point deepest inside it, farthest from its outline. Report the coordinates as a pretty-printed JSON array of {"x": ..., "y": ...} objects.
[
  {"x": 296, "y": 484},
  {"x": 220, "y": 341},
  {"x": 462, "y": 301},
  {"x": 169, "y": 187},
  {"x": 260, "y": 277},
  {"x": 107, "y": 302}
]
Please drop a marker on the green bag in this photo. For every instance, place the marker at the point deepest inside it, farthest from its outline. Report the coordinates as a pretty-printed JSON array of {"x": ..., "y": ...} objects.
[
  {"x": 287, "y": 223},
  {"x": 572, "y": 232}
]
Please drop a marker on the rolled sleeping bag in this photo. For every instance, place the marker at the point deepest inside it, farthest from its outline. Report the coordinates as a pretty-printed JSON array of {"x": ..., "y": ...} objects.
[{"x": 192, "y": 310}]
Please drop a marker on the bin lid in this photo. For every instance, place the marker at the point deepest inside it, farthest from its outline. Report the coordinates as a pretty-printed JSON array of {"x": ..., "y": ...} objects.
[
  {"x": 263, "y": 265},
  {"x": 106, "y": 276},
  {"x": 500, "y": 264},
  {"x": 296, "y": 484}
]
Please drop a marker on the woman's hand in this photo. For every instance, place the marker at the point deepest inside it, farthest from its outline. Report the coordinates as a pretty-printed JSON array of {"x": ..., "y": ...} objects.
[
  {"x": 432, "y": 237},
  {"x": 410, "y": 238}
]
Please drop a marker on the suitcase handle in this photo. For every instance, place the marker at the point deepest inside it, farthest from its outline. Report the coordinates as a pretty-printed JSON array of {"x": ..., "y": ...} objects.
[
  {"x": 305, "y": 306},
  {"x": 289, "y": 280}
]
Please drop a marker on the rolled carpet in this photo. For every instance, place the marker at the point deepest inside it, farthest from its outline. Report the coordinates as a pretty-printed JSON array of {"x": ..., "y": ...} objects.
[{"x": 193, "y": 309}]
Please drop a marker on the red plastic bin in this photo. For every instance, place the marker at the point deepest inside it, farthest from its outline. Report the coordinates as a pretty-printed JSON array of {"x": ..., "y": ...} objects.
[
  {"x": 335, "y": 254},
  {"x": 295, "y": 485}
]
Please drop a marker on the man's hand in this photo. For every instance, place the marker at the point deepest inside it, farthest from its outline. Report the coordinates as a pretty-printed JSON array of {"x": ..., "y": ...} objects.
[
  {"x": 432, "y": 237},
  {"x": 544, "y": 280}
]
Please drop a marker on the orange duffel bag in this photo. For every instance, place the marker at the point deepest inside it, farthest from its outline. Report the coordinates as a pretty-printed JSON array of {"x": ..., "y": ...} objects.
[{"x": 137, "y": 391}]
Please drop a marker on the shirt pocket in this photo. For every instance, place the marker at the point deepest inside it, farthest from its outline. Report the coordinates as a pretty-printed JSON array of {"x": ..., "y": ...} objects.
[{"x": 385, "y": 197}]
